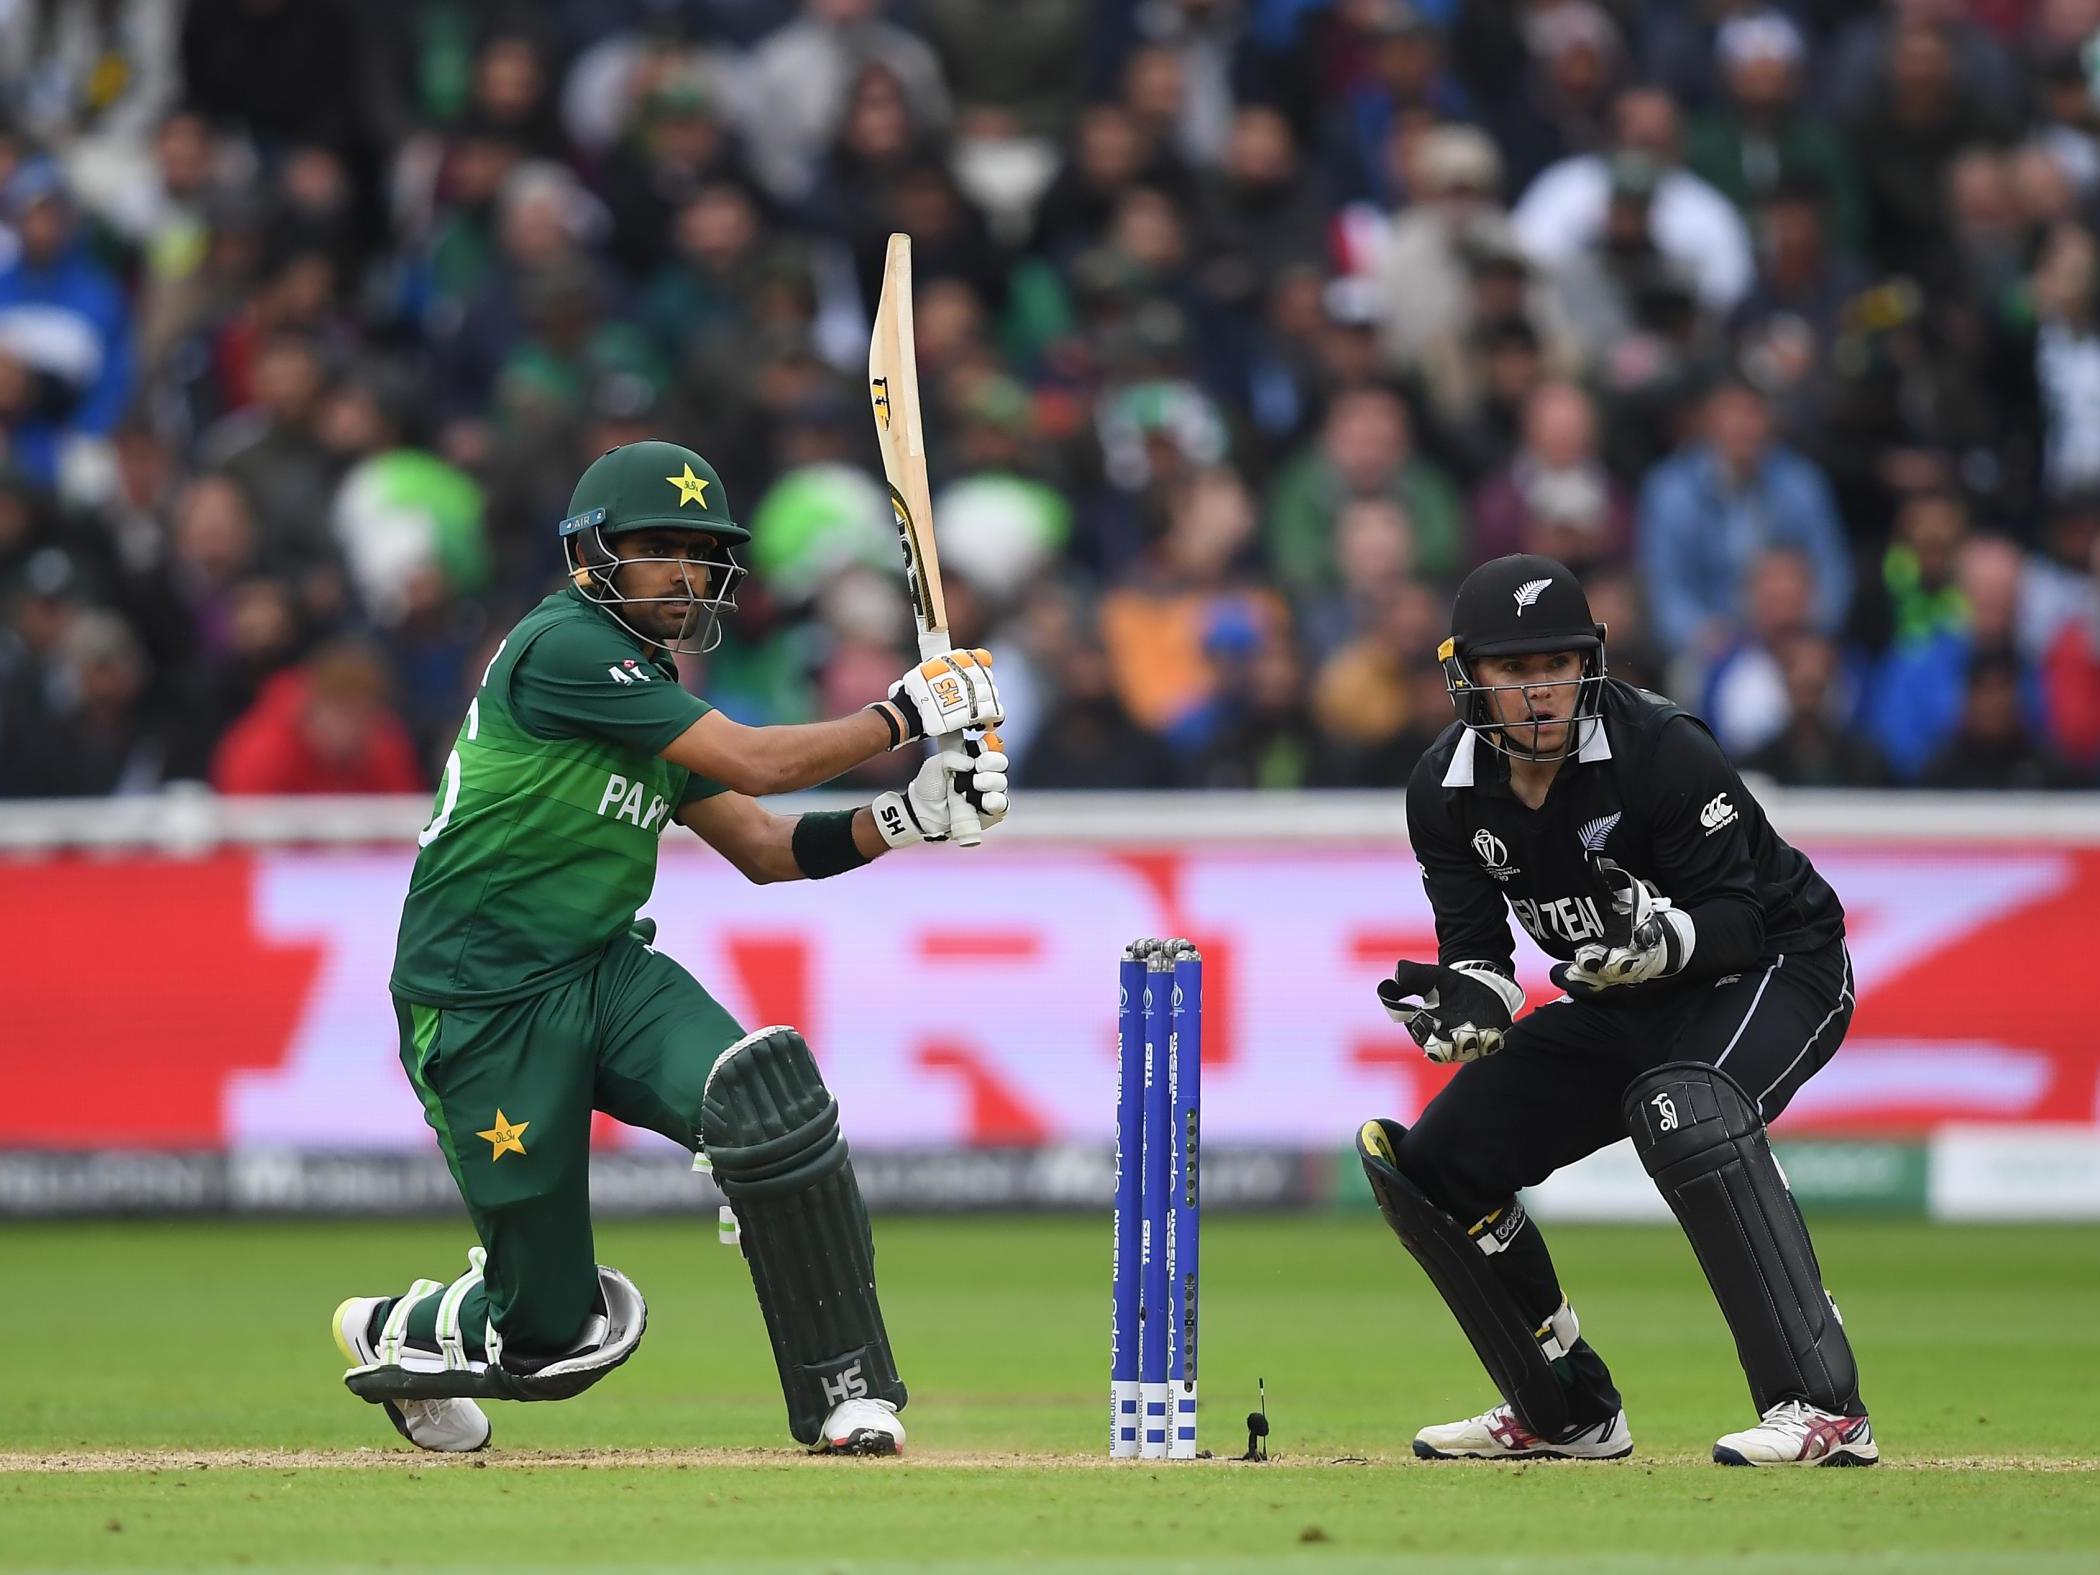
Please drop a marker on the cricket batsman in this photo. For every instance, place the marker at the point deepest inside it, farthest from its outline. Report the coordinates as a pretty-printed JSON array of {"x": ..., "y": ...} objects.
[
  {"x": 1706, "y": 980},
  {"x": 528, "y": 995}
]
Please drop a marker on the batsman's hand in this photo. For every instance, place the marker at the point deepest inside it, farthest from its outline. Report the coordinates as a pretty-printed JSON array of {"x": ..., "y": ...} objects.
[
  {"x": 925, "y": 811},
  {"x": 1458, "y": 1013},
  {"x": 1650, "y": 938},
  {"x": 943, "y": 694}
]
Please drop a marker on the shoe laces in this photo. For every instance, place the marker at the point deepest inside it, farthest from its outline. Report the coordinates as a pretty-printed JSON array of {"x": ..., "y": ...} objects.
[{"x": 1796, "y": 1413}]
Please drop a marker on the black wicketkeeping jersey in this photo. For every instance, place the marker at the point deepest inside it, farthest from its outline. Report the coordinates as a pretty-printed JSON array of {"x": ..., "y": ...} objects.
[{"x": 1650, "y": 790}]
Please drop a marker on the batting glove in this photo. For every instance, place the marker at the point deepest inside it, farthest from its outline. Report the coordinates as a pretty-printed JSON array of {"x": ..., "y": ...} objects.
[
  {"x": 944, "y": 694},
  {"x": 1455, "y": 1014},
  {"x": 925, "y": 811}
]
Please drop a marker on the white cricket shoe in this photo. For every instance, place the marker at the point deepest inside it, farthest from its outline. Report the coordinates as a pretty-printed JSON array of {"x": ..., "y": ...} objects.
[
  {"x": 861, "y": 1427},
  {"x": 448, "y": 1426},
  {"x": 1498, "y": 1435},
  {"x": 1795, "y": 1433}
]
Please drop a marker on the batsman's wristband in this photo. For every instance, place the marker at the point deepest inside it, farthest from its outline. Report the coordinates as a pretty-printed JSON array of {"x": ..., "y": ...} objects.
[
  {"x": 893, "y": 714},
  {"x": 823, "y": 843}
]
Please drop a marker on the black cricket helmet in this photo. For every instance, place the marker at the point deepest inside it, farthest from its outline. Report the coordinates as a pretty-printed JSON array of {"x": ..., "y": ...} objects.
[
  {"x": 1515, "y": 606},
  {"x": 660, "y": 486}
]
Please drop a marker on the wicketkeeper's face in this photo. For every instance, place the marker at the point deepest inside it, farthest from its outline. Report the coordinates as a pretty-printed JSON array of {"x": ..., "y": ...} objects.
[{"x": 1532, "y": 696}]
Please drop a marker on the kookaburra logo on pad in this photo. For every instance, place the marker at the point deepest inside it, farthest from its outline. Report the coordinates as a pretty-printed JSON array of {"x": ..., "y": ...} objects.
[
  {"x": 1528, "y": 592},
  {"x": 1665, "y": 1107}
]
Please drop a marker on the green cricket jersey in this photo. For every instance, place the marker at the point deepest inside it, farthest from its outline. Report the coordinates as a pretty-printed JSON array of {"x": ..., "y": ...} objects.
[{"x": 544, "y": 840}]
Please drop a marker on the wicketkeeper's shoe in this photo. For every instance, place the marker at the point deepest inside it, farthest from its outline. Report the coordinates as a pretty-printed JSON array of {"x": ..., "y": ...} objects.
[
  {"x": 449, "y": 1426},
  {"x": 1498, "y": 1435},
  {"x": 1795, "y": 1433},
  {"x": 861, "y": 1427}
]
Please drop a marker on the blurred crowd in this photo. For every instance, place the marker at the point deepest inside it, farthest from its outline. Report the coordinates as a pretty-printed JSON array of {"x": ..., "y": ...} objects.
[{"x": 1245, "y": 328}]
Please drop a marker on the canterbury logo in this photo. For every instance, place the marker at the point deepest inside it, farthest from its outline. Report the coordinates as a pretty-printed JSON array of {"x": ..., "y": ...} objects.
[
  {"x": 1528, "y": 592},
  {"x": 1718, "y": 813},
  {"x": 1593, "y": 832}
]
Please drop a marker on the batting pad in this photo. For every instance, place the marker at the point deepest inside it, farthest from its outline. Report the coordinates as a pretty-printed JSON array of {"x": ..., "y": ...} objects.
[
  {"x": 771, "y": 1129},
  {"x": 1517, "y": 1355},
  {"x": 1702, "y": 1140},
  {"x": 408, "y": 1372}
]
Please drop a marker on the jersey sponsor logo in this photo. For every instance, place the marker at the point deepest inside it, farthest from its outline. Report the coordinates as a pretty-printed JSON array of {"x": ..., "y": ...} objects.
[
  {"x": 1717, "y": 813},
  {"x": 1493, "y": 854},
  {"x": 1593, "y": 832},
  {"x": 630, "y": 672},
  {"x": 622, "y": 800},
  {"x": 1567, "y": 918},
  {"x": 1528, "y": 593}
]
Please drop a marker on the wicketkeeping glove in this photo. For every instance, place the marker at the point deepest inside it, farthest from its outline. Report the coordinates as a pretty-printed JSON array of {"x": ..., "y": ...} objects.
[
  {"x": 944, "y": 694},
  {"x": 925, "y": 811},
  {"x": 1651, "y": 939},
  {"x": 1455, "y": 1014}
]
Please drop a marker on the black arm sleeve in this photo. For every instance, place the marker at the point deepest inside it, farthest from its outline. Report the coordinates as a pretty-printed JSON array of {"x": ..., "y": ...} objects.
[
  {"x": 1702, "y": 823},
  {"x": 1472, "y": 920}
]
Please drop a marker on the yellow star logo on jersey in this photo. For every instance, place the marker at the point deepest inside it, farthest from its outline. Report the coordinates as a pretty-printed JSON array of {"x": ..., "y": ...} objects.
[
  {"x": 505, "y": 1136},
  {"x": 691, "y": 488}
]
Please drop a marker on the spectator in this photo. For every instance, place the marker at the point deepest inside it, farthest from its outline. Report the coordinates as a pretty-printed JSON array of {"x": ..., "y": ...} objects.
[
  {"x": 1765, "y": 135},
  {"x": 1916, "y": 698},
  {"x": 65, "y": 342},
  {"x": 1554, "y": 497},
  {"x": 1380, "y": 699},
  {"x": 1745, "y": 699},
  {"x": 1817, "y": 746},
  {"x": 107, "y": 741},
  {"x": 795, "y": 82},
  {"x": 1995, "y": 744},
  {"x": 1707, "y": 513},
  {"x": 1694, "y": 226},
  {"x": 2066, "y": 289},
  {"x": 1086, "y": 739},
  {"x": 321, "y": 727},
  {"x": 1920, "y": 117},
  {"x": 1365, "y": 450},
  {"x": 1423, "y": 277},
  {"x": 1915, "y": 596},
  {"x": 2071, "y": 675},
  {"x": 273, "y": 450}
]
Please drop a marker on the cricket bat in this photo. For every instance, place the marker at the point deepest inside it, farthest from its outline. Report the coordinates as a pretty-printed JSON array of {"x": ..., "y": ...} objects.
[{"x": 893, "y": 390}]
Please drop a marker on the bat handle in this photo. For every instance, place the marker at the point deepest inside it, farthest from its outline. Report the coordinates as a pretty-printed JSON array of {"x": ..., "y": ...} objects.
[{"x": 963, "y": 828}]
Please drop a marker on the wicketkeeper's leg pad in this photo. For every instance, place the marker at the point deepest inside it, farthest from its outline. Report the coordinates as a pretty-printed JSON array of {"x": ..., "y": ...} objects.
[
  {"x": 406, "y": 1370},
  {"x": 771, "y": 1130},
  {"x": 1702, "y": 1140},
  {"x": 1517, "y": 1353}
]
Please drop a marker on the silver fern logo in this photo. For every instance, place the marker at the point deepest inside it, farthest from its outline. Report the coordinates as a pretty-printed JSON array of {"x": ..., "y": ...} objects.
[
  {"x": 1593, "y": 832},
  {"x": 1528, "y": 592}
]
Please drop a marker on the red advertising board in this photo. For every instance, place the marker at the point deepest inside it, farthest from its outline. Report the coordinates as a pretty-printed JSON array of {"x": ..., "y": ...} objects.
[{"x": 239, "y": 999}]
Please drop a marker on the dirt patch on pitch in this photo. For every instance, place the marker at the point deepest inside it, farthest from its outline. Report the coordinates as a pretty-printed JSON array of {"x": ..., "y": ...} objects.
[{"x": 187, "y": 1460}]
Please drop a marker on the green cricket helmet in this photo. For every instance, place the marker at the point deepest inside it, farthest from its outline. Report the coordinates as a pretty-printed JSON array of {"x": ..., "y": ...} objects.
[{"x": 654, "y": 485}]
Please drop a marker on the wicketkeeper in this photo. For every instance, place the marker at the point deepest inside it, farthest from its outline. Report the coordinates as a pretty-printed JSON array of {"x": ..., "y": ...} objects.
[
  {"x": 528, "y": 994},
  {"x": 1706, "y": 980}
]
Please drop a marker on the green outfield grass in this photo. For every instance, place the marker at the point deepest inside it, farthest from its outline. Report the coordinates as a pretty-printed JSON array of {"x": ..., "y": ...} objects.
[{"x": 169, "y": 1397}]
